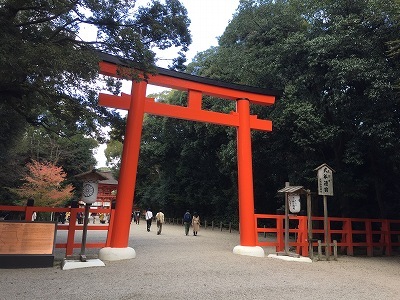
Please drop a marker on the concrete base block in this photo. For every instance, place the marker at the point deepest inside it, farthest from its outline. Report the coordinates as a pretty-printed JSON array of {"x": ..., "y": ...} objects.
[
  {"x": 290, "y": 258},
  {"x": 113, "y": 254},
  {"x": 249, "y": 251},
  {"x": 77, "y": 264}
]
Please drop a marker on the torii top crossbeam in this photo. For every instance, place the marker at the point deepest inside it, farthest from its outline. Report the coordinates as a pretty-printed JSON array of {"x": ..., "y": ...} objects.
[
  {"x": 196, "y": 87},
  {"x": 137, "y": 104}
]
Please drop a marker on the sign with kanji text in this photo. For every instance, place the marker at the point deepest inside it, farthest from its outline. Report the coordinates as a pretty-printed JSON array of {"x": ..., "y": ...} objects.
[
  {"x": 325, "y": 180},
  {"x": 294, "y": 203}
]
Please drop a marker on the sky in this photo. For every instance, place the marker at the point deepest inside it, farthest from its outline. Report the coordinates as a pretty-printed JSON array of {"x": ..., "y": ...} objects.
[{"x": 209, "y": 18}]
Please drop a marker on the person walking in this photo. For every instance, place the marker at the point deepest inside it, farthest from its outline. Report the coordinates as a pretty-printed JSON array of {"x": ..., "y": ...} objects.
[
  {"x": 149, "y": 217},
  {"x": 160, "y": 221},
  {"x": 195, "y": 223},
  {"x": 93, "y": 216},
  {"x": 102, "y": 218},
  {"x": 187, "y": 219},
  {"x": 137, "y": 217}
]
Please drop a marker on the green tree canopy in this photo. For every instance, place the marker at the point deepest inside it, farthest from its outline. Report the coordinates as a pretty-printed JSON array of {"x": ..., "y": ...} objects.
[
  {"x": 48, "y": 66},
  {"x": 340, "y": 104}
]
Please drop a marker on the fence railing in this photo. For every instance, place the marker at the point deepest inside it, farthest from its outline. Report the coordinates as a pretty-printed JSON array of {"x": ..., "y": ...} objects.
[
  {"x": 365, "y": 236},
  {"x": 26, "y": 213}
]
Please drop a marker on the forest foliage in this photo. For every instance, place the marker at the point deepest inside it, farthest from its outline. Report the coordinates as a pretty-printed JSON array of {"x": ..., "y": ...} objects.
[{"x": 49, "y": 81}]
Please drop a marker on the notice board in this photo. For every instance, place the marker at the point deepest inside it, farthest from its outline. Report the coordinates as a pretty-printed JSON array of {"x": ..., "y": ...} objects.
[{"x": 27, "y": 244}]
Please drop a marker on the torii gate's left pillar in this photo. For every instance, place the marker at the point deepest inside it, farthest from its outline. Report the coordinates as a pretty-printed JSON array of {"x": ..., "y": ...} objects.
[{"x": 126, "y": 187}]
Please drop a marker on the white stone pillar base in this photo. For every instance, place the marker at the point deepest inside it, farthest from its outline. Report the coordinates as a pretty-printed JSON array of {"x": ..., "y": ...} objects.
[
  {"x": 68, "y": 264},
  {"x": 256, "y": 251},
  {"x": 113, "y": 254}
]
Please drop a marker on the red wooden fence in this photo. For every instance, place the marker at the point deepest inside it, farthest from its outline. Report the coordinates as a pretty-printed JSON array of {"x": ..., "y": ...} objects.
[{"x": 367, "y": 236}]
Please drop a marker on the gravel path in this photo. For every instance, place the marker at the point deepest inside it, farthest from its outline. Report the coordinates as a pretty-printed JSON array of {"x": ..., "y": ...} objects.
[{"x": 175, "y": 266}]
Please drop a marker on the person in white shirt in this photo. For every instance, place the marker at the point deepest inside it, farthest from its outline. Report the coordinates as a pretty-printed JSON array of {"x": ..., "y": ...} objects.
[
  {"x": 160, "y": 221},
  {"x": 149, "y": 217}
]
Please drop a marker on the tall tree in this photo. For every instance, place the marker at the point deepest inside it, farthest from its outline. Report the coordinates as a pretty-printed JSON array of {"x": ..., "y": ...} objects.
[
  {"x": 74, "y": 153},
  {"x": 49, "y": 64}
]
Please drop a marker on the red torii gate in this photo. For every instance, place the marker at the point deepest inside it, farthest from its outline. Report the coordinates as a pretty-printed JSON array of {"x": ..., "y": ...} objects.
[{"x": 137, "y": 104}]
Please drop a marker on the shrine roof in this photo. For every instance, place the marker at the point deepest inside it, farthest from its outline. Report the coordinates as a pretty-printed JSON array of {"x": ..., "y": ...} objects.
[
  {"x": 110, "y": 178},
  {"x": 93, "y": 174},
  {"x": 194, "y": 78}
]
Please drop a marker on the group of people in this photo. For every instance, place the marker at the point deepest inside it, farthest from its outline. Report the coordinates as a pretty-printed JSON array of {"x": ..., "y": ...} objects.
[
  {"x": 136, "y": 217},
  {"x": 159, "y": 219},
  {"x": 188, "y": 220}
]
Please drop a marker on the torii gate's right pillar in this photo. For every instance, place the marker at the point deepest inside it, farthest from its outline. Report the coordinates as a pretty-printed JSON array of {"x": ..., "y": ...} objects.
[{"x": 245, "y": 184}]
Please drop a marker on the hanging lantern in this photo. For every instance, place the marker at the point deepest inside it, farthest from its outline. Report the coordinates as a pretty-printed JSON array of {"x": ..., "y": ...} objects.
[
  {"x": 294, "y": 203},
  {"x": 90, "y": 190},
  {"x": 90, "y": 185}
]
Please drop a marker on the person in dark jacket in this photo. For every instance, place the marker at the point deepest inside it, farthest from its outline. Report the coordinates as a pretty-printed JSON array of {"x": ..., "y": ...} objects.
[{"x": 187, "y": 220}]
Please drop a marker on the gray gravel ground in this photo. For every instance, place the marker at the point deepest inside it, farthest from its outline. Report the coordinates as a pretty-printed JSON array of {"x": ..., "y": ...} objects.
[{"x": 175, "y": 266}]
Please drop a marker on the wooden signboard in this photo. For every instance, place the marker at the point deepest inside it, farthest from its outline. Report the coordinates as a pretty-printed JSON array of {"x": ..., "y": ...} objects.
[
  {"x": 325, "y": 180},
  {"x": 26, "y": 244}
]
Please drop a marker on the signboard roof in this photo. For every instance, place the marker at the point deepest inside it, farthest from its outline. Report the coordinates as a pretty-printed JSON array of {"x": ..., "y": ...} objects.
[{"x": 292, "y": 189}]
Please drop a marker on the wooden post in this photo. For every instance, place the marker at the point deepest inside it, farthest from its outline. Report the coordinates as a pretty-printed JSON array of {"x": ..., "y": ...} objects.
[
  {"x": 82, "y": 254},
  {"x": 386, "y": 238},
  {"x": 110, "y": 227},
  {"x": 368, "y": 238},
  {"x": 279, "y": 234},
  {"x": 71, "y": 232},
  {"x": 326, "y": 235},
  {"x": 319, "y": 250},
  {"x": 286, "y": 224},
  {"x": 309, "y": 226},
  {"x": 334, "y": 249}
]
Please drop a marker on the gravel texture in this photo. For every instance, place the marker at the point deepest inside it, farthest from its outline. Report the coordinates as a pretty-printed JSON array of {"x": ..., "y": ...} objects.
[{"x": 175, "y": 266}]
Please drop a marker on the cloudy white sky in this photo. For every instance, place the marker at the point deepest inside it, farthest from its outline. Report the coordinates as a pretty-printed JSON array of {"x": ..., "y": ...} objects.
[{"x": 209, "y": 19}]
